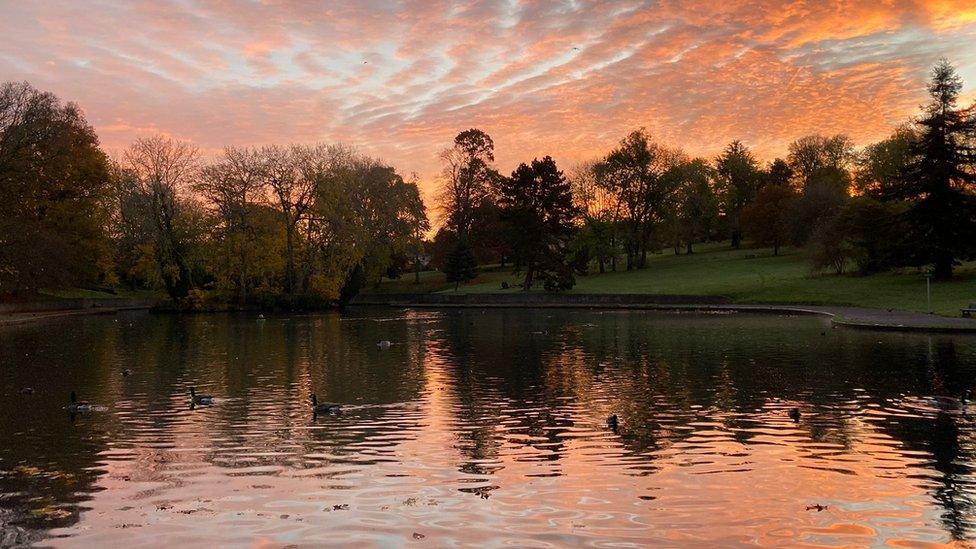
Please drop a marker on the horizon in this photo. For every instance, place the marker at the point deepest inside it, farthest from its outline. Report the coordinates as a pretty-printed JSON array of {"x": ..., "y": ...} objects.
[{"x": 567, "y": 81}]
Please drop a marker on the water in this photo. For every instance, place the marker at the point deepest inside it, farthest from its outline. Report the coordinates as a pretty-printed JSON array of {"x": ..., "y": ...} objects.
[{"x": 485, "y": 428}]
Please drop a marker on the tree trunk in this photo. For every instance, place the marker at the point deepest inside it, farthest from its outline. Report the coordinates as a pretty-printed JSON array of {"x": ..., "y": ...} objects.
[
  {"x": 775, "y": 249},
  {"x": 736, "y": 238},
  {"x": 613, "y": 252},
  {"x": 942, "y": 269},
  {"x": 290, "y": 251},
  {"x": 689, "y": 250}
]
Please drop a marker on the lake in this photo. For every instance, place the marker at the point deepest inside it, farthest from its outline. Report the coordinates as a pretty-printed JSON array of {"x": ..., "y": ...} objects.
[{"x": 485, "y": 428}]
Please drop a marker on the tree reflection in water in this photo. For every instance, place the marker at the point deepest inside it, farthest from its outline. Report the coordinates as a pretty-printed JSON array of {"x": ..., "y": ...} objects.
[{"x": 482, "y": 418}]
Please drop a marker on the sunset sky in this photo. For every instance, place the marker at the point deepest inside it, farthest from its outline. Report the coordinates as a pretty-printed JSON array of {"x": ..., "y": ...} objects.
[{"x": 569, "y": 79}]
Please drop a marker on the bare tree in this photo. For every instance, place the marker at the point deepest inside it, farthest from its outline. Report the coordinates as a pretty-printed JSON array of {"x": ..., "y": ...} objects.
[
  {"x": 163, "y": 169},
  {"x": 467, "y": 179},
  {"x": 289, "y": 173},
  {"x": 231, "y": 186}
]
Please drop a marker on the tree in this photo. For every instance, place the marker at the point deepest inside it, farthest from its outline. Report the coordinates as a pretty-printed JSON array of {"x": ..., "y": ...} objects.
[
  {"x": 876, "y": 233},
  {"x": 938, "y": 179},
  {"x": 830, "y": 244},
  {"x": 600, "y": 210},
  {"x": 778, "y": 173},
  {"x": 363, "y": 218},
  {"x": 537, "y": 204},
  {"x": 290, "y": 175},
  {"x": 54, "y": 194},
  {"x": 696, "y": 205},
  {"x": 738, "y": 181},
  {"x": 415, "y": 218},
  {"x": 812, "y": 156},
  {"x": 634, "y": 172},
  {"x": 767, "y": 219},
  {"x": 467, "y": 179},
  {"x": 232, "y": 186},
  {"x": 881, "y": 165},
  {"x": 461, "y": 265},
  {"x": 161, "y": 170}
]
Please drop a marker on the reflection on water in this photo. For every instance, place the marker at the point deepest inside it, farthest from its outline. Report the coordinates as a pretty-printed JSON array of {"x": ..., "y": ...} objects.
[{"x": 485, "y": 428}]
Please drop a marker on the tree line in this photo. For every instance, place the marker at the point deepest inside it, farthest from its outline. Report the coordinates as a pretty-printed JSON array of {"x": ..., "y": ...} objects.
[
  {"x": 269, "y": 225},
  {"x": 287, "y": 224},
  {"x": 906, "y": 201}
]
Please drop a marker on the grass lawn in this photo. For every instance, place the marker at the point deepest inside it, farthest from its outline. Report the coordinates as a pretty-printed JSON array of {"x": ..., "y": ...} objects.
[
  {"x": 747, "y": 276},
  {"x": 75, "y": 293}
]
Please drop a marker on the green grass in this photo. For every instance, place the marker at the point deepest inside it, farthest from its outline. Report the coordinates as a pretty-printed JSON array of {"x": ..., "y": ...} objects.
[
  {"x": 746, "y": 276},
  {"x": 75, "y": 293}
]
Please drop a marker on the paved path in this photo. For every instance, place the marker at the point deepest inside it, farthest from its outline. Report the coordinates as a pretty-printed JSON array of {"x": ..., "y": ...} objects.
[{"x": 878, "y": 319}]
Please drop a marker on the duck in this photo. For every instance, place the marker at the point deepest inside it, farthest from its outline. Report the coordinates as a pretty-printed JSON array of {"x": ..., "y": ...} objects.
[
  {"x": 79, "y": 406},
  {"x": 613, "y": 423},
  {"x": 203, "y": 400},
  {"x": 950, "y": 403},
  {"x": 26, "y": 390},
  {"x": 261, "y": 318},
  {"x": 325, "y": 407},
  {"x": 795, "y": 415},
  {"x": 126, "y": 373},
  {"x": 385, "y": 344}
]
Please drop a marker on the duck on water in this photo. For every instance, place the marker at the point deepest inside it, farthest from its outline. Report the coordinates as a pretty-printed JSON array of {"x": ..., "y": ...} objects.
[
  {"x": 79, "y": 406},
  {"x": 325, "y": 407},
  {"x": 200, "y": 400}
]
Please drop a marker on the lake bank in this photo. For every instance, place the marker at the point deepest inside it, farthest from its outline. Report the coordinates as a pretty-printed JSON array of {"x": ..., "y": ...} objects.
[
  {"x": 743, "y": 276},
  {"x": 850, "y": 317},
  {"x": 32, "y": 311}
]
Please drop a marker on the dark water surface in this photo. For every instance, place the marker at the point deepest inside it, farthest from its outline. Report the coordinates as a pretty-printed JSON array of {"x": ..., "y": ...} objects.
[{"x": 486, "y": 429}]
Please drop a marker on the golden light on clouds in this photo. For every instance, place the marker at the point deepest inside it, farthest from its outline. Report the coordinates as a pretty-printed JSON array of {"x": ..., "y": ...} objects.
[{"x": 561, "y": 78}]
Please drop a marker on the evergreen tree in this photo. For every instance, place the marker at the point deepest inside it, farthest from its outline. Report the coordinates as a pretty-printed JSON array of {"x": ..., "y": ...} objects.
[
  {"x": 938, "y": 179},
  {"x": 537, "y": 205},
  {"x": 461, "y": 265},
  {"x": 738, "y": 181}
]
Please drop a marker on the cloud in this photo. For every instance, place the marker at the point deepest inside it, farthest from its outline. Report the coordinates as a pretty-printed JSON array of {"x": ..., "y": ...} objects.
[{"x": 569, "y": 79}]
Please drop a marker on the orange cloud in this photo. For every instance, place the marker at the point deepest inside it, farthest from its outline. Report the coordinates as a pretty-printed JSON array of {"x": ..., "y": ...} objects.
[{"x": 400, "y": 80}]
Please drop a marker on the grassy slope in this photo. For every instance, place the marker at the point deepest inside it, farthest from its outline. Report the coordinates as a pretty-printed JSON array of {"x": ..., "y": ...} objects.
[
  {"x": 73, "y": 293},
  {"x": 746, "y": 276}
]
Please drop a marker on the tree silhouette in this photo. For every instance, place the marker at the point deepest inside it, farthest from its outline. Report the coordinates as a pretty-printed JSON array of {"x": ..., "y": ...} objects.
[
  {"x": 461, "y": 265},
  {"x": 537, "y": 204},
  {"x": 738, "y": 177},
  {"x": 938, "y": 179}
]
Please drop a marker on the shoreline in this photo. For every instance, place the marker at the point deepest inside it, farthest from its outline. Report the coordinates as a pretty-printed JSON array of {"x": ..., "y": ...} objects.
[
  {"x": 13, "y": 314},
  {"x": 863, "y": 318}
]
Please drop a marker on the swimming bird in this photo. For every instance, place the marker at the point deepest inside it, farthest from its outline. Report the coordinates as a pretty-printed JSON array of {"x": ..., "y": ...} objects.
[
  {"x": 613, "y": 423},
  {"x": 203, "y": 400},
  {"x": 385, "y": 344},
  {"x": 325, "y": 407},
  {"x": 261, "y": 318},
  {"x": 80, "y": 406},
  {"x": 795, "y": 414},
  {"x": 27, "y": 390},
  {"x": 126, "y": 373},
  {"x": 950, "y": 403}
]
